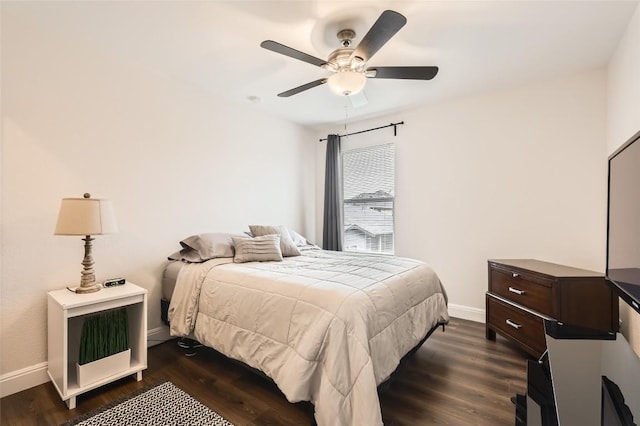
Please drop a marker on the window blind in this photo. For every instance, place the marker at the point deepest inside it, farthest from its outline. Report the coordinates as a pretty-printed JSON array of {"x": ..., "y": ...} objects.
[{"x": 369, "y": 188}]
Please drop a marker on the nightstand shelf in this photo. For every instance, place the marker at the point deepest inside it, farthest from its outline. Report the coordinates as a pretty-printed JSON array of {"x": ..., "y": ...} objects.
[{"x": 66, "y": 313}]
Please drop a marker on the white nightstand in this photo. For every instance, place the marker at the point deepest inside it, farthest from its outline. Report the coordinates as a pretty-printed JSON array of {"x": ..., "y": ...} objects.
[{"x": 66, "y": 312}]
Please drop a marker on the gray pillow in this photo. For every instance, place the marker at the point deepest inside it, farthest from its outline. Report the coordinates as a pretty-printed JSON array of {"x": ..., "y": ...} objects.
[
  {"x": 186, "y": 255},
  {"x": 257, "y": 249},
  {"x": 209, "y": 246},
  {"x": 287, "y": 246}
]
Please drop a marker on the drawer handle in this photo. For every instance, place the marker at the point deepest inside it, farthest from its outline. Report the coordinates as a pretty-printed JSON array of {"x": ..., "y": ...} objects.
[
  {"x": 513, "y": 324},
  {"x": 516, "y": 291},
  {"x": 515, "y": 275}
]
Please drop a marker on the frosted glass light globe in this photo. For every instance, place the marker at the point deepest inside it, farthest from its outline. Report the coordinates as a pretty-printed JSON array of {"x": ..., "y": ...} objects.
[{"x": 346, "y": 82}]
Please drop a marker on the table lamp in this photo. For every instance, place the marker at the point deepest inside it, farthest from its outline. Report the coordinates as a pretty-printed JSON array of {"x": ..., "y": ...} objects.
[{"x": 86, "y": 216}]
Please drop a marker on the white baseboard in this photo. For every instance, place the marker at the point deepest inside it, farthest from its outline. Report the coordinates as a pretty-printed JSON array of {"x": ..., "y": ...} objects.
[
  {"x": 158, "y": 335},
  {"x": 467, "y": 313},
  {"x": 35, "y": 375},
  {"x": 28, "y": 377},
  {"x": 22, "y": 379}
]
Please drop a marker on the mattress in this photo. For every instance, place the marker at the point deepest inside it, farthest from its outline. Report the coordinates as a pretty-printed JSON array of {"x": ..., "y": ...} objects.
[{"x": 169, "y": 278}]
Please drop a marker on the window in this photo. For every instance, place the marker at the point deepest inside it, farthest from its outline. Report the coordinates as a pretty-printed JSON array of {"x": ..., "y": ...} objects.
[{"x": 369, "y": 188}]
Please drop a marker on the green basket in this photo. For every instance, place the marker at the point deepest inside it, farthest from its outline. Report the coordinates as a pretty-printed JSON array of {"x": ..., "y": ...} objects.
[{"x": 103, "y": 335}]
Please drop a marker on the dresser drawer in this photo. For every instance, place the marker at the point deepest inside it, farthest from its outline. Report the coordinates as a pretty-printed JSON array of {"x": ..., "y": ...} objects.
[
  {"x": 523, "y": 327},
  {"x": 527, "y": 290}
]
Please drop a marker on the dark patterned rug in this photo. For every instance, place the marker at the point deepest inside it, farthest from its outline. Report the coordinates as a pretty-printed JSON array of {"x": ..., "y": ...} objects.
[{"x": 163, "y": 404}]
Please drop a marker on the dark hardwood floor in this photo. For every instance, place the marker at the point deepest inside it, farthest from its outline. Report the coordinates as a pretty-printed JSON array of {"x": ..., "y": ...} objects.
[{"x": 456, "y": 378}]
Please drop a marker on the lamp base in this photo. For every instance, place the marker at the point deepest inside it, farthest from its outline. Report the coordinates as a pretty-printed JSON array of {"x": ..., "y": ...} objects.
[{"x": 88, "y": 288}]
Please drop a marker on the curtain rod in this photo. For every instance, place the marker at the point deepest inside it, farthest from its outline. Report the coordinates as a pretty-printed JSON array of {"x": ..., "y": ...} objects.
[{"x": 394, "y": 125}]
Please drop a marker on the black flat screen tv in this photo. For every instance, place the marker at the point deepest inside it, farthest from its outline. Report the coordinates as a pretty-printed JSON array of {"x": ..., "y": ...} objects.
[{"x": 623, "y": 222}]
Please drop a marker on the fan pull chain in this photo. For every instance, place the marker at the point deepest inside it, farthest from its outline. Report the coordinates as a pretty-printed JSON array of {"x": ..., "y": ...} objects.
[{"x": 346, "y": 116}]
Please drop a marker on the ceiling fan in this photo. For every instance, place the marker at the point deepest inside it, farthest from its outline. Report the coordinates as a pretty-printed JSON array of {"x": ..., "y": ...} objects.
[{"x": 348, "y": 64}]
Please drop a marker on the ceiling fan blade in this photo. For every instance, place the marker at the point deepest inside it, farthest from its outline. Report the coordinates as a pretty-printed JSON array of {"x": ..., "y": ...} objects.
[
  {"x": 387, "y": 25},
  {"x": 274, "y": 46},
  {"x": 302, "y": 88},
  {"x": 410, "y": 73}
]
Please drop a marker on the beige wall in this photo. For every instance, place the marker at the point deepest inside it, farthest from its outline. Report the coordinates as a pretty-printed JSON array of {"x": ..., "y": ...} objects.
[
  {"x": 623, "y": 121},
  {"x": 511, "y": 174},
  {"x": 173, "y": 160}
]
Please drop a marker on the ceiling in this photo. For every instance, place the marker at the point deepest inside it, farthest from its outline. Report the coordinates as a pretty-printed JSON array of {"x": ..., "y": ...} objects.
[{"x": 478, "y": 45}]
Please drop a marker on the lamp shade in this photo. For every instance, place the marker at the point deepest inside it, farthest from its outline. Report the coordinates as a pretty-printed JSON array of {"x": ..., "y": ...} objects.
[
  {"x": 85, "y": 216},
  {"x": 346, "y": 82}
]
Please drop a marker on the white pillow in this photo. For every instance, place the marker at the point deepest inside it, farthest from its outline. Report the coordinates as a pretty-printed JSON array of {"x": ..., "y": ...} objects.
[{"x": 298, "y": 239}]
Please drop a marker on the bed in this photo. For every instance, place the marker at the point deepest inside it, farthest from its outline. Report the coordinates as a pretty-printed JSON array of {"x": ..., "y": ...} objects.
[{"x": 326, "y": 327}]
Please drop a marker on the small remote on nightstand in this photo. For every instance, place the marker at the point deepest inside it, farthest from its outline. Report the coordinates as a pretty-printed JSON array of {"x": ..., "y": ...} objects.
[{"x": 114, "y": 282}]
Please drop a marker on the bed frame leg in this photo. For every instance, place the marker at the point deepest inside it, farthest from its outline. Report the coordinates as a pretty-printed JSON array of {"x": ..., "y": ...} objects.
[{"x": 190, "y": 346}]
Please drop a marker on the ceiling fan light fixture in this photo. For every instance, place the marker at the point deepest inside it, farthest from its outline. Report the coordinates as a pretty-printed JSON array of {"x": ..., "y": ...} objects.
[
  {"x": 340, "y": 58},
  {"x": 329, "y": 67},
  {"x": 346, "y": 82},
  {"x": 357, "y": 64}
]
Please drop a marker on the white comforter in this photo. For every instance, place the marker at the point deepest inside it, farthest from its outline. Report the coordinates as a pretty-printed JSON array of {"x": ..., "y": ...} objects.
[{"x": 327, "y": 327}]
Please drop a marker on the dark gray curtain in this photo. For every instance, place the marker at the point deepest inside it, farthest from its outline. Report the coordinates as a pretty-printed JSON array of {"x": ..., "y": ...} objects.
[{"x": 333, "y": 224}]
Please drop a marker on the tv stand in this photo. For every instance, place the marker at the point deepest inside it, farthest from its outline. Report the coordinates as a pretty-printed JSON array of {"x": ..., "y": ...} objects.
[{"x": 565, "y": 386}]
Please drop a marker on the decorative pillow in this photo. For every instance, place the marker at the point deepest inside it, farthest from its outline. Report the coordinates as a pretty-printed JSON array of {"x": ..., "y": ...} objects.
[
  {"x": 186, "y": 255},
  {"x": 287, "y": 245},
  {"x": 257, "y": 249},
  {"x": 297, "y": 239},
  {"x": 209, "y": 246}
]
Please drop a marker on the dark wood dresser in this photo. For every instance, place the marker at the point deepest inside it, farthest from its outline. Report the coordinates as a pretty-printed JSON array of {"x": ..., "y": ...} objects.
[{"x": 524, "y": 292}]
